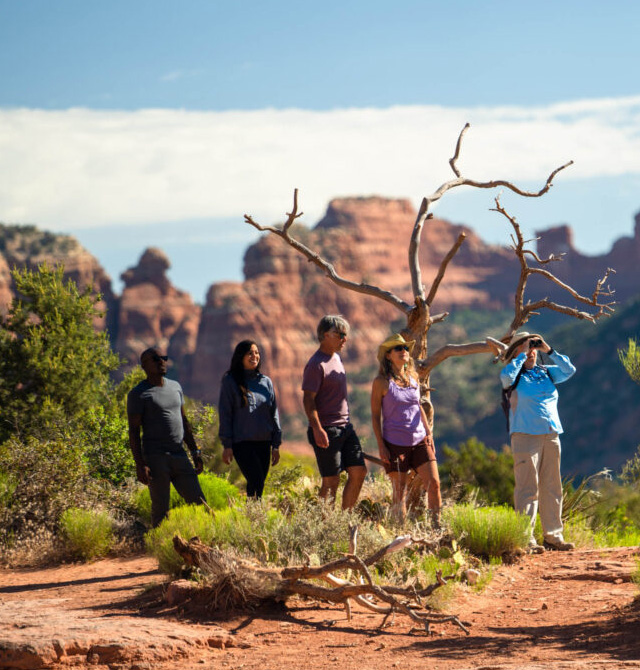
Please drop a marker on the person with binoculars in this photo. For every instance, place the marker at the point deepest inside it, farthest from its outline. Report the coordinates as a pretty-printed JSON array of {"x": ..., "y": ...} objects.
[{"x": 535, "y": 428}]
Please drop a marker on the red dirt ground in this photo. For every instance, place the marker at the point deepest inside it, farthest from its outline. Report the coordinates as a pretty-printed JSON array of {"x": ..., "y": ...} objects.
[{"x": 575, "y": 610}]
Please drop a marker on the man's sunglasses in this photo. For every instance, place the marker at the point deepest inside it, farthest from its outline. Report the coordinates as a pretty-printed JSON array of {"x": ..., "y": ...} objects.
[
  {"x": 400, "y": 347},
  {"x": 156, "y": 358},
  {"x": 341, "y": 335}
]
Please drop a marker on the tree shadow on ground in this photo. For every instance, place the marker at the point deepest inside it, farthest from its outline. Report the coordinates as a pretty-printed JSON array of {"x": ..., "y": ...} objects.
[
  {"x": 615, "y": 636},
  {"x": 24, "y": 588}
]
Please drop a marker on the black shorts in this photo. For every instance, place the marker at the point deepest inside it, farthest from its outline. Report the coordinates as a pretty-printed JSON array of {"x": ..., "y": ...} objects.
[{"x": 344, "y": 450}]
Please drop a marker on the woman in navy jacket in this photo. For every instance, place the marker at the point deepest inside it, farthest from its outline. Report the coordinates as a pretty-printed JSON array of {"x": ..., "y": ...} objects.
[{"x": 249, "y": 422}]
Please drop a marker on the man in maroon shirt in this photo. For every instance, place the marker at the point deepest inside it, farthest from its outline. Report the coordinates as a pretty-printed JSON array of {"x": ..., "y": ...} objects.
[{"x": 330, "y": 433}]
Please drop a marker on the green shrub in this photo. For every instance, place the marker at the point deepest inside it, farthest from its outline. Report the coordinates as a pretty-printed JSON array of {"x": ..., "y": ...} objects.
[
  {"x": 217, "y": 492},
  {"x": 478, "y": 472},
  {"x": 45, "y": 477},
  {"x": 189, "y": 521},
  {"x": 488, "y": 531},
  {"x": 88, "y": 534}
]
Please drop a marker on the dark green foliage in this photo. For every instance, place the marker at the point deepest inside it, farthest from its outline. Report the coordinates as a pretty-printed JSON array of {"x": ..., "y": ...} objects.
[
  {"x": 63, "y": 435},
  {"x": 476, "y": 471},
  {"x": 104, "y": 431},
  {"x": 205, "y": 423},
  {"x": 53, "y": 364}
]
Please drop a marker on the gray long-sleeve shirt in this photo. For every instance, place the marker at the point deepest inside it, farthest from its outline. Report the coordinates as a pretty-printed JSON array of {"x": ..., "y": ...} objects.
[{"x": 258, "y": 420}]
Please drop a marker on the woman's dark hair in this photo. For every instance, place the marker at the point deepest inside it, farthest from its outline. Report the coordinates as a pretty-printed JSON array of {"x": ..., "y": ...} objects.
[{"x": 236, "y": 369}]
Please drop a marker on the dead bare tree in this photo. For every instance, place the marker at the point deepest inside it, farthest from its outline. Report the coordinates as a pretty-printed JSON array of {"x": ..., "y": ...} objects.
[{"x": 418, "y": 312}]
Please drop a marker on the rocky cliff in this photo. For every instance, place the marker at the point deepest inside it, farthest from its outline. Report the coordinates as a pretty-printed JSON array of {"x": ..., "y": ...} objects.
[{"x": 153, "y": 312}]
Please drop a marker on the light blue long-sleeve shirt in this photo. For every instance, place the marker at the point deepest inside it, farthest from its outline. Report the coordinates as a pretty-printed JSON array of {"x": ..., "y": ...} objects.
[{"x": 534, "y": 401}]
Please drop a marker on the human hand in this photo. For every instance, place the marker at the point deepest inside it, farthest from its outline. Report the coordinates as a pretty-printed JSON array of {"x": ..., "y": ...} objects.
[
  {"x": 275, "y": 456},
  {"x": 227, "y": 455},
  {"x": 198, "y": 464},
  {"x": 320, "y": 436},
  {"x": 385, "y": 454},
  {"x": 143, "y": 473},
  {"x": 544, "y": 347}
]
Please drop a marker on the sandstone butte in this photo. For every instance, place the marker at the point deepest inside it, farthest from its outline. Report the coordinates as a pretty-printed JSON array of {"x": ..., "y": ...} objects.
[{"x": 282, "y": 296}]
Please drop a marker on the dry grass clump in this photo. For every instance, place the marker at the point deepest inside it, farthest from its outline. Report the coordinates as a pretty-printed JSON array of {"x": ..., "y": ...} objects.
[{"x": 233, "y": 583}]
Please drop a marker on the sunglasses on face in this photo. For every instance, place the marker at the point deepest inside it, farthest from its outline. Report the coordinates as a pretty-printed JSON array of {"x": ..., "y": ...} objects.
[
  {"x": 400, "y": 347},
  {"x": 156, "y": 359},
  {"x": 342, "y": 336}
]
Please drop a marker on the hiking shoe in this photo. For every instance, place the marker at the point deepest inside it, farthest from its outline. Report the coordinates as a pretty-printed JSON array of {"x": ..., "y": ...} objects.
[
  {"x": 559, "y": 545},
  {"x": 535, "y": 548}
]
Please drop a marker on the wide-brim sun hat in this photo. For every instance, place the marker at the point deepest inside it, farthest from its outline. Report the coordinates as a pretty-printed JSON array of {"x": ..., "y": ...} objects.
[
  {"x": 516, "y": 340},
  {"x": 395, "y": 340}
]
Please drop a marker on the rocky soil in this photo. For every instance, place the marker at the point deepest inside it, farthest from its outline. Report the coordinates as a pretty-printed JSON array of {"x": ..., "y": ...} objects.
[{"x": 556, "y": 611}]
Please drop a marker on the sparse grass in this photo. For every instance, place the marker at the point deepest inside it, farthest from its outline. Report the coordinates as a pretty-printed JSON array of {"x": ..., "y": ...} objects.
[
  {"x": 88, "y": 534},
  {"x": 188, "y": 520},
  {"x": 488, "y": 531},
  {"x": 218, "y": 492}
]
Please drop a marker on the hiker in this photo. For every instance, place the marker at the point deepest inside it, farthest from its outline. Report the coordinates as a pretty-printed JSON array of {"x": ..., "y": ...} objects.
[
  {"x": 401, "y": 428},
  {"x": 249, "y": 422},
  {"x": 156, "y": 405},
  {"x": 535, "y": 428},
  {"x": 333, "y": 438}
]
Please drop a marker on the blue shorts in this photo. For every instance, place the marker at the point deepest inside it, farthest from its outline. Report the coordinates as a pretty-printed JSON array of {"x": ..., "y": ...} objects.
[{"x": 344, "y": 450}]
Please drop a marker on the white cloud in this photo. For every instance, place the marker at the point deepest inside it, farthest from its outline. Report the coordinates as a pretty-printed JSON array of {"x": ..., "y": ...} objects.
[{"x": 80, "y": 168}]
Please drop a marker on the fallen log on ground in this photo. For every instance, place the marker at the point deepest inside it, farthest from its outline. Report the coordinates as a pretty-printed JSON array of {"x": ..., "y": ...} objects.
[{"x": 234, "y": 582}]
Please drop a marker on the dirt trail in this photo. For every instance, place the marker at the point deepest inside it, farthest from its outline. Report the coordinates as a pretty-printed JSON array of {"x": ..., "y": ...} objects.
[{"x": 551, "y": 611}]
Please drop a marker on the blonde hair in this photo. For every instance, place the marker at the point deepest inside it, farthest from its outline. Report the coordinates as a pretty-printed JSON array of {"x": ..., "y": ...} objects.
[{"x": 385, "y": 370}]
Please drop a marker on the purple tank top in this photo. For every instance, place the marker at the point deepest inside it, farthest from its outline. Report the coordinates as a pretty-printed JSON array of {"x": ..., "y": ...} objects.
[{"x": 401, "y": 418}]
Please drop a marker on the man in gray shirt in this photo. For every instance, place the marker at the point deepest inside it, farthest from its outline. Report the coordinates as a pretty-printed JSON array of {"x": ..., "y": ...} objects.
[{"x": 156, "y": 405}]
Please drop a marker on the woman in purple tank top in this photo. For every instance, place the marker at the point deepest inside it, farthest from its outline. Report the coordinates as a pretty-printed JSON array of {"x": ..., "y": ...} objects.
[{"x": 400, "y": 426}]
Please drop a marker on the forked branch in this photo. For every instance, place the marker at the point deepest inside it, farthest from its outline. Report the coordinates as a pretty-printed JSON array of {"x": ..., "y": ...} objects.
[
  {"x": 323, "y": 264},
  {"x": 424, "y": 213},
  {"x": 524, "y": 311}
]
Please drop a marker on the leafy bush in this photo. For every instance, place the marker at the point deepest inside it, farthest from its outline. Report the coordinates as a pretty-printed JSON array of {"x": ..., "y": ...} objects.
[
  {"x": 488, "y": 531},
  {"x": 45, "y": 478},
  {"x": 88, "y": 534},
  {"x": 476, "y": 471},
  {"x": 218, "y": 492},
  {"x": 187, "y": 520},
  {"x": 53, "y": 363}
]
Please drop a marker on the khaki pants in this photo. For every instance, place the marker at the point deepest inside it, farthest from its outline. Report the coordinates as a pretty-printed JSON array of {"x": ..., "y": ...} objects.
[{"x": 536, "y": 462}]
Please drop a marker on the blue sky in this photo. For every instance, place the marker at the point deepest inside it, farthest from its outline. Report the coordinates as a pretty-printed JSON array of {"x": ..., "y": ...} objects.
[{"x": 136, "y": 123}]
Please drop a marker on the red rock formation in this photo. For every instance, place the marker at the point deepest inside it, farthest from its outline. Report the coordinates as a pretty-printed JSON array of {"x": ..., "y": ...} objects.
[{"x": 152, "y": 312}]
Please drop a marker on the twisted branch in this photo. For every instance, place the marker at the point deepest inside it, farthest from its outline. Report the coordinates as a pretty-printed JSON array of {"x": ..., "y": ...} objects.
[
  {"x": 328, "y": 268},
  {"x": 523, "y": 312},
  {"x": 423, "y": 214}
]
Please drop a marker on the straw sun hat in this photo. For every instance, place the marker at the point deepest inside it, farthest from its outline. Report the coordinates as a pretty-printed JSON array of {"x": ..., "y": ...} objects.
[{"x": 394, "y": 341}]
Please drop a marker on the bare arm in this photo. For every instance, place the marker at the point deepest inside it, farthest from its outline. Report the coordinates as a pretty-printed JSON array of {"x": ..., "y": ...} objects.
[
  {"x": 135, "y": 443},
  {"x": 190, "y": 441},
  {"x": 425, "y": 421},
  {"x": 319, "y": 434},
  {"x": 378, "y": 391}
]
